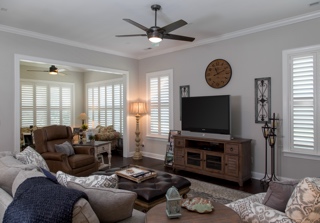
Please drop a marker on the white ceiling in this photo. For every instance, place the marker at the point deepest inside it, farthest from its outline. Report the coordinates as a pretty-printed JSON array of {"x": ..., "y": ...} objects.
[{"x": 93, "y": 24}]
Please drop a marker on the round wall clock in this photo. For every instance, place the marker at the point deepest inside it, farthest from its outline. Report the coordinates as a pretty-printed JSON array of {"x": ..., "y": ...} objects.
[{"x": 218, "y": 73}]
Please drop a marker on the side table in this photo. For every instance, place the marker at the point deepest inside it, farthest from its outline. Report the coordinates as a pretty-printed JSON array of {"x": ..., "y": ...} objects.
[
  {"x": 99, "y": 148},
  {"x": 221, "y": 214}
]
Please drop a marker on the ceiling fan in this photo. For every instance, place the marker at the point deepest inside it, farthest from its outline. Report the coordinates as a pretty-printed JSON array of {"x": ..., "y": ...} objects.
[
  {"x": 53, "y": 70},
  {"x": 155, "y": 34}
]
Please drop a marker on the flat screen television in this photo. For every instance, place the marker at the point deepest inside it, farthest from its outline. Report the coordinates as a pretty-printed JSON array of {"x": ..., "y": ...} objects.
[{"x": 206, "y": 114}]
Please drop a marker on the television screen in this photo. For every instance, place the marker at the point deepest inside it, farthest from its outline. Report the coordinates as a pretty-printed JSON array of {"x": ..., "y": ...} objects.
[{"x": 209, "y": 114}]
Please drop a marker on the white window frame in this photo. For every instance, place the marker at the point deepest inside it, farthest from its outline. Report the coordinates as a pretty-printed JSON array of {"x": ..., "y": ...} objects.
[
  {"x": 159, "y": 74},
  {"x": 121, "y": 108},
  {"x": 48, "y": 85},
  {"x": 288, "y": 149}
]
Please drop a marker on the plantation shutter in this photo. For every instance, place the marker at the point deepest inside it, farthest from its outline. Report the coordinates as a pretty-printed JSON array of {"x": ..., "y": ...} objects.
[
  {"x": 303, "y": 102},
  {"x": 105, "y": 104},
  {"x": 27, "y": 100},
  {"x": 41, "y": 105},
  {"x": 45, "y": 103},
  {"x": 159, "y": 105}
]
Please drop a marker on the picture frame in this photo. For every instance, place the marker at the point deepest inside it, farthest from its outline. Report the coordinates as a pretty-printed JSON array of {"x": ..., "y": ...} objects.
[
  {"x": 184, "y": 92},
  {"x": 27, "y": 139},
  {"x": 262, "y": 99},
  {"x": 76, "y": 131}
]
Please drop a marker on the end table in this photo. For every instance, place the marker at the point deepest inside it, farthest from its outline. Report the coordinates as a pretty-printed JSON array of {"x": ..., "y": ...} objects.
[{"x": 99, "y": 148}]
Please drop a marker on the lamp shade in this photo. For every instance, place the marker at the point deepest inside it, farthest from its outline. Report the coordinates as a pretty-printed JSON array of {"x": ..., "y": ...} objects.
[
  {"x": 83, "y": 116},
  {"x": 138, "y": 108}
]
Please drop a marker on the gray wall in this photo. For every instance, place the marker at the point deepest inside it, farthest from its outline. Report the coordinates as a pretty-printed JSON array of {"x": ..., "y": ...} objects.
[
  {"x": 251, "y": 56},
  {"x": 12, "y": 45}
]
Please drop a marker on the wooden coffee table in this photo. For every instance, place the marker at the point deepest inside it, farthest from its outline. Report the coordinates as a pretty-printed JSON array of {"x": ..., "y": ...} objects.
[{"x": 221, "y": 214}]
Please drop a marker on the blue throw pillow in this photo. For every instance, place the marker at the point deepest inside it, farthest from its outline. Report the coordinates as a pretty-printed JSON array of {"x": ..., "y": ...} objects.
[{"x": 49, "y": 175}]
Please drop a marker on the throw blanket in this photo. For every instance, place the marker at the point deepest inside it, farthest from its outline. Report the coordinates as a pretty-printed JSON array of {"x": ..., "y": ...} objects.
[{"x": 39, "y": 199}]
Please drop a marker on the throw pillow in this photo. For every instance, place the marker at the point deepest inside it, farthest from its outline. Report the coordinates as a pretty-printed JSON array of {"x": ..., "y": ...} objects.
[
  {"x": 10, "y": 168},
  {"x": 30, "y": 156},
  {"x": 279, "y": 193},
  {"x": 107, "y": 129},
  {"x": 97, "y": 181},
  {"x": 109, "y": 204},
  {"x": 65, "y": 148},
  {"x": 304, "y": 203}
]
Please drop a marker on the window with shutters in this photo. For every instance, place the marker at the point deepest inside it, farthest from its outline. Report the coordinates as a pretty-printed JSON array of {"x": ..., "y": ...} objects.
[
  {"x": 159, "y": 94},
  {"x": 105, "y": 104},
  {"x": 46, "y": 103},
  {"x": 301, "y": 90}
]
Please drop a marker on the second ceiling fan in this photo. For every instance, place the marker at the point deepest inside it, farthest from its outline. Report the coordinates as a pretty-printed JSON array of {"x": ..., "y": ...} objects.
[
  {"x": 155, "y": 34},
  {"x": 53, "y": 70}
]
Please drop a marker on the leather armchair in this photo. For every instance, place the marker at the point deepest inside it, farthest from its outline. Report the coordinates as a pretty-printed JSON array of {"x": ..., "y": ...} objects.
[{"x": 83, "y": 163}]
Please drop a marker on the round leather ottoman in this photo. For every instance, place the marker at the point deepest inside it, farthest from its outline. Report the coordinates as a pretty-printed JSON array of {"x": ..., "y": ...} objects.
[{"x": 152, "y": 191}]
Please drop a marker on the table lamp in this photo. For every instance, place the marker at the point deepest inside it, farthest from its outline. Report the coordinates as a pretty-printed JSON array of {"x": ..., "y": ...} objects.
[{"x": 83, "y": 117}]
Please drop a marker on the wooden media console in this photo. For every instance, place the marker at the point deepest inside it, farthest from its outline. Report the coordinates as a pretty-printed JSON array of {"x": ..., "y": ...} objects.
[{"x": 225, "y": 159}]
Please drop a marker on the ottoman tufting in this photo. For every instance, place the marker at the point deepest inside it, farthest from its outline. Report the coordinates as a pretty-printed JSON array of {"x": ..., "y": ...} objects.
[{"x": 152, "y": 191}]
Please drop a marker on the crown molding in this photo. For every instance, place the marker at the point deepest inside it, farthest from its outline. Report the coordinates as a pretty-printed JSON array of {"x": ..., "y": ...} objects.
[
  {"x": 264, "y": 27},
  {"x": 40, "y": 36}
]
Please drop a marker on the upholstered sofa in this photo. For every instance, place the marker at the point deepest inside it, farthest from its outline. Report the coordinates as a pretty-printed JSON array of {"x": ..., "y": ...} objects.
[
  {"x": 296, "y": 201},
  {"x": 102, "y": 205}
]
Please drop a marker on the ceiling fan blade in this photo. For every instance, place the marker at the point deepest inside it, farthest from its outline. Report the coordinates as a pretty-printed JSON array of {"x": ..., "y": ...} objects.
[
  {"x": 131, "y": 35},
  {"x": 174, "y": 25},
  {"x": 61, "y": 70},
  {"x": 39, "y": 70},
  {"x": 178, "y": 37},
  {"x": 136, "y": 24}
]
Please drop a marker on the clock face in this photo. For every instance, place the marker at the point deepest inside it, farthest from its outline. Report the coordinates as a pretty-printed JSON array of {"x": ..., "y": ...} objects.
[{"x": 218, "y": 73}]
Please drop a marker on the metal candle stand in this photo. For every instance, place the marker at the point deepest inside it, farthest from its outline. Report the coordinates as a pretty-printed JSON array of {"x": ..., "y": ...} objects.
[{"x": 270, "y": 136}]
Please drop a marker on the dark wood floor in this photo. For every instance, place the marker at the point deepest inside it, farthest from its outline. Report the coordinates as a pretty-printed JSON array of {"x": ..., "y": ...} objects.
[{"x": 251, "y": 186}]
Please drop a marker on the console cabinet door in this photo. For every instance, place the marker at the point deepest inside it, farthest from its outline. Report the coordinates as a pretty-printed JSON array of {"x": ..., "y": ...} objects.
[
  {"x": 213, "y": 162},
  {"x": 231, "y": 165},
  {"x": 193, "y": 158}
]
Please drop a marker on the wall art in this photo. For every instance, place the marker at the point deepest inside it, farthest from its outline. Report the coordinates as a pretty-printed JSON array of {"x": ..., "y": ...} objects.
[
  {"x": 262, "y": 99},
  {"x": 184, "y": 92}
]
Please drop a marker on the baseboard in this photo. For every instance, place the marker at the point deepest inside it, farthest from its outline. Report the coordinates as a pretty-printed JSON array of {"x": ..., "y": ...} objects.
[
  {"x": 149, "y": 155},
  {"x": 258, "y": 176}
]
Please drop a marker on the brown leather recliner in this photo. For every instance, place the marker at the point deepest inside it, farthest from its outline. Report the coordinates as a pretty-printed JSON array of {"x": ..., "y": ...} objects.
[{"x": 83, "y": 163}]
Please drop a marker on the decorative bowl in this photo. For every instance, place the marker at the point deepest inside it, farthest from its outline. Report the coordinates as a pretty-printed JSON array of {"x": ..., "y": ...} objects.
[{"x": 198, "y": 204}]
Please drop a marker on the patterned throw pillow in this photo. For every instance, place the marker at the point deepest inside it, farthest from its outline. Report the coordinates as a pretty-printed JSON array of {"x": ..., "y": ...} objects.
[
  {"x": 65, "y": 148},
  {"x": 96, "y": 181},
  {"x": 30, "y": 156},
  {"x": 304, "y": 203},
  {"x": 107, "y": 129}
]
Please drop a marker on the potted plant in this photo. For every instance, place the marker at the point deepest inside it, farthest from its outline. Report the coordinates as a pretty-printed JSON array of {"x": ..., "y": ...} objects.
[
  {"x": 91, "y": 138},
  {"x": 84, "y": 127}
]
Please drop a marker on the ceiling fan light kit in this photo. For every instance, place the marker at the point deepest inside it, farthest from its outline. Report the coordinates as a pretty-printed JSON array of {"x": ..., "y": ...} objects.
[
  {"x": 155, "y": 34},
  {"x": 53, "y": 70}
]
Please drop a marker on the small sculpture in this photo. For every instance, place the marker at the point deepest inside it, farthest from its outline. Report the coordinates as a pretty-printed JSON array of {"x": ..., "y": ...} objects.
[{"x": 173, "y": 208}]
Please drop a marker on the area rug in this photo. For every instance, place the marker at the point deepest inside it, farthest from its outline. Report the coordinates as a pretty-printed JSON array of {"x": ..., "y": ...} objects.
[{"x": 214, "y": 192}]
